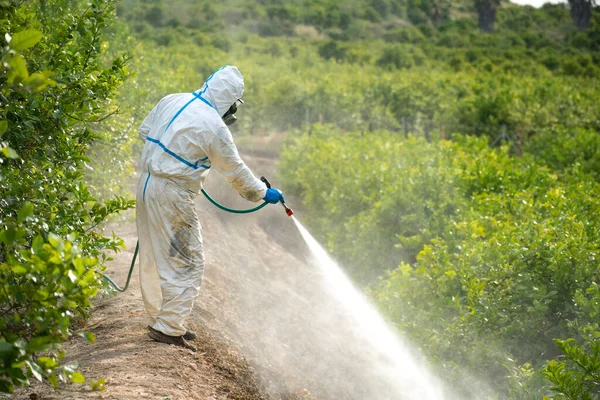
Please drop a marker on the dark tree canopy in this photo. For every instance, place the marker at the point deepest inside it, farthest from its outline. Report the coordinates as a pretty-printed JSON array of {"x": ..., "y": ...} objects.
[
  {"x": 486, "y": 10},
  {"x": 581, "y": 12}
]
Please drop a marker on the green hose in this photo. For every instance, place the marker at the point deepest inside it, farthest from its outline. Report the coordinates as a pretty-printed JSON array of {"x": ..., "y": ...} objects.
[
  {"x": 231, "y": 210},
  {"x": 137, "y": 246},
  {"x": 113, "y": 284}
]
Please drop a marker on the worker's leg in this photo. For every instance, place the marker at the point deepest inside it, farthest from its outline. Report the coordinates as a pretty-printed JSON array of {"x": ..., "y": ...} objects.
[
  {"x": 149, "y": 279},
  {"x": 176, "y": 237}
]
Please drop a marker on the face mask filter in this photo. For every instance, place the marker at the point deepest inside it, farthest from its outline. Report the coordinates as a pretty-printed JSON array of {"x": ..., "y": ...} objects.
[{"x": 229, "y": 118}]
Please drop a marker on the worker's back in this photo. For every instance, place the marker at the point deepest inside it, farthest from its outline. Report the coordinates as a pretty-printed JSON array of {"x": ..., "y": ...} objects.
[{"x": 185, "y": 135}]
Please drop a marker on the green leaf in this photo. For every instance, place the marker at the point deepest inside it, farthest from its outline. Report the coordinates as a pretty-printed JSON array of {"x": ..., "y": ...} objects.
[
  {"x": 90, "y": 337},
  {"x": 77, "y": 377},
  {"x": 39, "y": 81},
  {"x": 9, "y": 152},
  {"x": 53, "y": 379},
  {"x": 35, "y": 370},
  {"x": 25, "y": 39},
  {"x": 6, "y": 386},
  {"x": 18, "y": 375},
  {"x": 19, "y": 270},
  {"x": 3, "y": 127},
  {"x": 8, "y": 236},
  {"x": 99, "y": 385},
  {"x": 47, "y": 362},
  {"x": 6, "y": 350},
  {"x": 37, "y": 245},
  {"x": 40, "y": 343},
  {"x": 56, "y": 241},
  {"x": 18, "y": 69},
  {"x": 24, "y": 212}
]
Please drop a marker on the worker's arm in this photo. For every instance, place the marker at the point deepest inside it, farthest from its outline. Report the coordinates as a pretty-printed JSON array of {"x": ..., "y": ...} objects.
[
  {"x": 145, "y": 127},
  {"x": 223, "y": 156}
]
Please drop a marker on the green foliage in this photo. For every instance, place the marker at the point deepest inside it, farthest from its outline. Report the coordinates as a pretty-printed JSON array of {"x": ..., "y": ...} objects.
[
  {"x": 405, "y": 35},
  {"x": 377, "y": 231},
  {"x": 399, "y": 57},
  {"x": 155, "y": 16},
  {"x": 54, "y": 90},
  {"x": 496, "y": 250},
  {"x": 482, "y": 256},
  {"x": 43, "y": 289},
  {"x": 568, "y": 149},
  {"x": 577, "y": 375}
]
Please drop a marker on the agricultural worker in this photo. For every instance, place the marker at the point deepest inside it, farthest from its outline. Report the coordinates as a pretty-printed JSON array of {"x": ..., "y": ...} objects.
[{"x": 185, "y": 135}]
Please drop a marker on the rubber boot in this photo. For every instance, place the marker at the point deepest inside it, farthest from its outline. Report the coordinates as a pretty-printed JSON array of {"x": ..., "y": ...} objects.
[{"x": 176, "y": 340}]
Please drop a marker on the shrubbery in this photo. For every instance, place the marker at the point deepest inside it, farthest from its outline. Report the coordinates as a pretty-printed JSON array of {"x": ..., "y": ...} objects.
[
  {"x": 54, "y": 92},
  {"x": 500, "y": 253},
  {"x": 483, "y": 257},
  {"x": 468, "y": 249}
]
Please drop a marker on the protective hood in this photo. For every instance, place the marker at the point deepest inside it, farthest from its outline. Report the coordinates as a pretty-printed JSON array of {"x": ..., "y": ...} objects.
[{"x": 223, "y": 88}]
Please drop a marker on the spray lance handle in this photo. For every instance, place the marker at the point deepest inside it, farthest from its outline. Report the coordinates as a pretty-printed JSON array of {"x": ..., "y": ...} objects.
[{"x": 288, "y": 210}]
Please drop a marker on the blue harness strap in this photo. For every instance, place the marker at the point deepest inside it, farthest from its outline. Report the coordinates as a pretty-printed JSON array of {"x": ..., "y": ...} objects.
[
  {"x": 179, "y": 158},
  {"x": 179, "y": 112},
  {"x": 197, "y": 96}
]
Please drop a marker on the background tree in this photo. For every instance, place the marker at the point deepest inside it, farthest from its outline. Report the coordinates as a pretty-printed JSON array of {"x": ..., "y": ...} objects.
[
  {"x": 440, "y": 11},
  {"x": 581, "y": 12},
  {"x": 486, "y": 11}
]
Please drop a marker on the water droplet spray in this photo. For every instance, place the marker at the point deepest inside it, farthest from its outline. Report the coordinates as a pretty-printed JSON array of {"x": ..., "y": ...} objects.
[{"x": 397, "y": 367}]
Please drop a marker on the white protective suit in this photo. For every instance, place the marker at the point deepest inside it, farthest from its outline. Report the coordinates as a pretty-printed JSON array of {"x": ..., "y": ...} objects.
[{"x": 184, "y": 137}]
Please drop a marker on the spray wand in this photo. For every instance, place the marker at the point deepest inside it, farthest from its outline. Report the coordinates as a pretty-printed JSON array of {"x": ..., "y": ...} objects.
[{"x": 288, "y": 210}]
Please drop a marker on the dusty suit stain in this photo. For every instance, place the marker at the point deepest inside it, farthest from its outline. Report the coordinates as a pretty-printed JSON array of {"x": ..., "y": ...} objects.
[{"x": 180, "y": 246}]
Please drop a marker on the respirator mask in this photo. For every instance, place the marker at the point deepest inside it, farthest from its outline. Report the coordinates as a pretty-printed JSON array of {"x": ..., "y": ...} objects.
[{"x": 229, "y": 118}]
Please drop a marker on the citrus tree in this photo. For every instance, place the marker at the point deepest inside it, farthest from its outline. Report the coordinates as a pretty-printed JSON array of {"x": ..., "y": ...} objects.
[{"x": 53, "y": 92}]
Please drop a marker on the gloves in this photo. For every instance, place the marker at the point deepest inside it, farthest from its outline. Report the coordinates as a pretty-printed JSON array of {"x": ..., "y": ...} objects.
[{"x": 273, "y": 196}]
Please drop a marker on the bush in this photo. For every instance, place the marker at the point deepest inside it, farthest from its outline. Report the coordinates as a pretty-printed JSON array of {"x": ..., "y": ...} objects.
[
  {"x": 42, "y": 291},
  {"x": 494, "y": 251},
  {"x": 331, "y": 49},
  {"x": 397, "y": 57},
  {"x": 405, "y": 35},
  {"x": 50, "y": 255},
  {"x": 452, "y": 40},
  {"x": 155, "y": 16},
  {"x": 567, "y": 149},
  {"x": 550, "y": 59},
  {"x": 276, "y": 28},
  {"x": 365, "y": 242},
  {"x": 164, "y": 39},
  {"x": 221, "y": 42},
  {"x": 577, "y": 374}
]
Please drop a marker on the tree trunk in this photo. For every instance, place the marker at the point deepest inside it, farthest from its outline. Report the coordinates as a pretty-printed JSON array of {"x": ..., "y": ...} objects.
[
  {"x": 487, "y": 14},
  {"x": 581, "y": 12}
]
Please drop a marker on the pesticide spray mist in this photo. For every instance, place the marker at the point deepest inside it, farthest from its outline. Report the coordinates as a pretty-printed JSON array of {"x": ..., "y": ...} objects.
[
  {"x": 395, "y": 365},
  {"x": 292, "y": 312}
]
